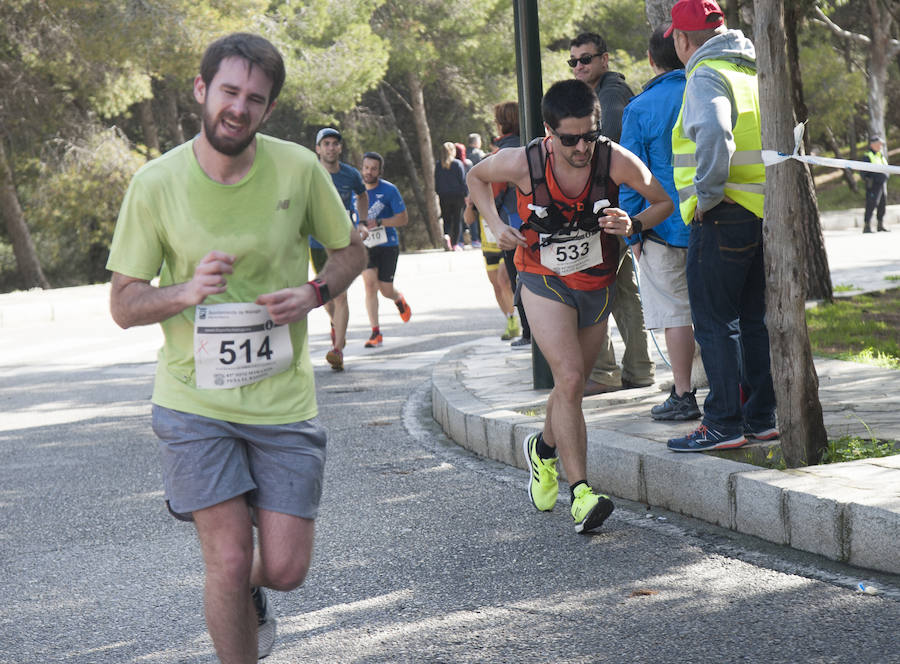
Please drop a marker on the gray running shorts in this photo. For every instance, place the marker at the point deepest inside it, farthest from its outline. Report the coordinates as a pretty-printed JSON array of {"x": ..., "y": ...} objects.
[
  {"x": 592, "y": 306},
  {"x": 206, "y": 462}
]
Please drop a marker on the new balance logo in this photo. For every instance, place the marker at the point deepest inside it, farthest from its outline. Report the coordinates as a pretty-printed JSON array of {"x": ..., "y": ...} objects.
[{"x": 283, "y": 205}]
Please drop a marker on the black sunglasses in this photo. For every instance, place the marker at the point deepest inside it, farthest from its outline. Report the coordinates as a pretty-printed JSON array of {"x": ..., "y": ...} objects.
[
  {"x": 571, "y": 140},
  {"x": 584, "y": 59}
]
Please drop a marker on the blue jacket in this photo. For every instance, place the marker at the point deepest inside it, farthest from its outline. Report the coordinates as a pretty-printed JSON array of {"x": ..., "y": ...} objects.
[{"x": 647, "y": 132}]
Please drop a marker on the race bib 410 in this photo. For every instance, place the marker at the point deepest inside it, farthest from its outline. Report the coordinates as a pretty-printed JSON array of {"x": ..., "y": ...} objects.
[{"x": 237, "y": 344}]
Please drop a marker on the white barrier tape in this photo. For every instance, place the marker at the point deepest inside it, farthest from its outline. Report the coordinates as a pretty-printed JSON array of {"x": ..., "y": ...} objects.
[{"x": 771, "y": 157}]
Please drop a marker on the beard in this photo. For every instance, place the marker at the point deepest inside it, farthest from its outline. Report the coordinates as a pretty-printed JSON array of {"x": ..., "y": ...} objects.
[{"x": 226, "y": 145}]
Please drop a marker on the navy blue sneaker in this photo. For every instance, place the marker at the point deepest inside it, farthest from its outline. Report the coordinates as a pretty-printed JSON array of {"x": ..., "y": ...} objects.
[{"x": 705, "y": 438}]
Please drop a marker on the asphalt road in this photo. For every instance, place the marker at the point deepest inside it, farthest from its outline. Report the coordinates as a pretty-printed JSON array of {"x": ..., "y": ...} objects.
[{"x": 424, "y": 552}]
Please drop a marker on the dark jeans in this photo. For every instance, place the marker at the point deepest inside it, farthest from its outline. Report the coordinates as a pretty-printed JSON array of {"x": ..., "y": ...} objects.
[
  {"x": 875, "y": 200},
  {"x": 727, "y": 290}
]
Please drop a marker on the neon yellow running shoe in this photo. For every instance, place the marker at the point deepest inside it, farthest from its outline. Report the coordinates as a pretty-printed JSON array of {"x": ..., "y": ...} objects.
[
  {"x": 512, "y": 328},
  {"x": 543, "y": 485},
  {"x": 590, "y": 509}
]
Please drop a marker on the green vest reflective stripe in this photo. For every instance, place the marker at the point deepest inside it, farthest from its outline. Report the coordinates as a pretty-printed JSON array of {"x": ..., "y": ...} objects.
[
  {"x": 876, "y": 157},
  {"x": 747, "y": 173}
]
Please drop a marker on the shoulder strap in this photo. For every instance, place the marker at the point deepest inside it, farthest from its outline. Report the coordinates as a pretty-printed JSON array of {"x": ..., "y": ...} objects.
[{"x": 537, "y": 171}]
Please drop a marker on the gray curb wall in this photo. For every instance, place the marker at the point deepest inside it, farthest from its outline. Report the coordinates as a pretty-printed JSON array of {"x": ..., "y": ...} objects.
[{"x": 800, "y": 510}]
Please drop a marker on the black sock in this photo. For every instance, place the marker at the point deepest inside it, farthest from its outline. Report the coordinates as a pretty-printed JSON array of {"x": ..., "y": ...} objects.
[
  {"x": 543, "y": 449},
  {"x": 572, "y": 488}
]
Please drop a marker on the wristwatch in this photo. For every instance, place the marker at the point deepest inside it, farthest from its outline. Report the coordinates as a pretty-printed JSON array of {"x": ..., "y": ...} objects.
[{"x": 321, "y": 288}]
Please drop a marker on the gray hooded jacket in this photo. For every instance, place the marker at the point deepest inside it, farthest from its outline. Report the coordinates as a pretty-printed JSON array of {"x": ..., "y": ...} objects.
[{"x": 709, "y": 116}]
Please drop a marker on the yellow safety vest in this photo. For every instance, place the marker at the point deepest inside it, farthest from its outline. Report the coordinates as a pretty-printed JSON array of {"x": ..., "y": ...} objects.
[
  {"x": 746, "y": 173},
  {"x": 876, "y": 157}
]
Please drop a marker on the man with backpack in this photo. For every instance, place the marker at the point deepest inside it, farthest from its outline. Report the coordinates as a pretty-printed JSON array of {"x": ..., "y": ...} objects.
[{"x": 567, "y": 256}]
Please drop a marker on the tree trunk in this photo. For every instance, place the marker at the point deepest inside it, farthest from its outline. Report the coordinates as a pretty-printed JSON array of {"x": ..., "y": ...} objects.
[
  {"x": 787, "y": 207},
  {"x": 170, "y": 104},
  {"x": 410, "y": 165},
  {"x": 23, "y": 248},
  {"x": 426, "y": 155},
  {"x": 880, "y": 53},
  {"x": 148, "y": 125},
  {"x": 835, "y": 148},
  {"x": 659, "y": 12}
]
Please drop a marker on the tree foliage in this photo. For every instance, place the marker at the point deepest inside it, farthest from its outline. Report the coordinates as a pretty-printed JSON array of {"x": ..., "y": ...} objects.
[{"x": 397, "y": 76}]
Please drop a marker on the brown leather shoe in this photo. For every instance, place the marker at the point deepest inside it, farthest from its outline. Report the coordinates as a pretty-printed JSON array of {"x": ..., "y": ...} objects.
[
  {"x": 629, "y": 385},
  {"x": 592, "y": 387}
]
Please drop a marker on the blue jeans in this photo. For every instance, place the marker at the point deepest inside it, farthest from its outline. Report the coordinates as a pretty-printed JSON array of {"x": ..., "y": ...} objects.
[{"x": 727, "y": 291}]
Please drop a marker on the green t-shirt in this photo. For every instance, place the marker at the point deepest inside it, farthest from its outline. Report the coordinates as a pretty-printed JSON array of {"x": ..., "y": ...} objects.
[{"x": 173, "y": 215}]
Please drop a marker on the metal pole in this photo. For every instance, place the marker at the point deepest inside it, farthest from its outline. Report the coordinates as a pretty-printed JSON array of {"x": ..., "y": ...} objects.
[{"x": 528, "y": 70}]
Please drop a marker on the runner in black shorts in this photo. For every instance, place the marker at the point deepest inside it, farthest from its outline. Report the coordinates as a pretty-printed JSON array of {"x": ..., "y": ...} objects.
[{"x": 387, "y": 211}]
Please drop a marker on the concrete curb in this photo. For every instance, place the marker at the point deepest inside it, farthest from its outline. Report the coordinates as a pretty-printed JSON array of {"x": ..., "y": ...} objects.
[{"x": 802, "y": 510}]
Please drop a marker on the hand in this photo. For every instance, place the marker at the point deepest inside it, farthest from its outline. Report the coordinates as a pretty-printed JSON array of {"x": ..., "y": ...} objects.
[
  {"x": 209, "y": 276},
  {"x": 289, "y": 305},
  {"x": 616, "y": 222},
  {"x": 363, "y": 232},
  {"x": 636, "y": 250},
  {"x": 510, "y": 238},
  {"x": 371, "y": 222}
]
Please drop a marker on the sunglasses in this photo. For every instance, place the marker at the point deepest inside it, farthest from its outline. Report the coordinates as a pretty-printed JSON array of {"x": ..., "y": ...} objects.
[
  {"x": 571, "y": 140},
  {"x": 584, "y": 59}
]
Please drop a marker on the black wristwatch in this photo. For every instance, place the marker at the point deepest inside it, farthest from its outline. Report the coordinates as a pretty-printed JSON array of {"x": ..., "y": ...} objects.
[
  {"x": 321, "y": 288},
  {"x": 636, "y": 226}
]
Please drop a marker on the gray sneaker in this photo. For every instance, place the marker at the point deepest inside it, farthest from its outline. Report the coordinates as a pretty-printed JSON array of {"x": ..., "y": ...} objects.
[
  {"x": 520, "y": 344},
  {"x": 677, "y": 408},
  {"x": 267, "y": 622}
]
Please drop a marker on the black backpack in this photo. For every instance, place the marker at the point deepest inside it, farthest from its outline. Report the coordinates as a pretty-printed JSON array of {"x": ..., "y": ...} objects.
[{"x": 584, "y": 217}]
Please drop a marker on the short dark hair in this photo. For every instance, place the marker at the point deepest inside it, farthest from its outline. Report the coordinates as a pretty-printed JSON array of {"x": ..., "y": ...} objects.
[
  {"x": 589, "y": 38},
  {"x": 662, "y": 50},
  {"x": 377, "y": 157},
  {"x": 569, "y": 98},
  {"x": 256, "y": 50},
  {"x": 506, "y": 114}
]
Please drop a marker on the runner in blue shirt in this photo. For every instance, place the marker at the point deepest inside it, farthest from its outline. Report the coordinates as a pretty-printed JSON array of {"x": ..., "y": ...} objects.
[
  {"x": 349, "y": 184},
  {"x": 386, "y": 212}
]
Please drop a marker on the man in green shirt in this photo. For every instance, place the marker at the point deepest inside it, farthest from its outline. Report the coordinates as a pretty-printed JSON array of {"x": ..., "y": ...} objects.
[{"x": 224, "y": 220}]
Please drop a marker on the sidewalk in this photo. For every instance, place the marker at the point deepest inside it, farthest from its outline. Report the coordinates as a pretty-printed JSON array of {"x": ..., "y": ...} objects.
[{"x": 483, "y": 399}]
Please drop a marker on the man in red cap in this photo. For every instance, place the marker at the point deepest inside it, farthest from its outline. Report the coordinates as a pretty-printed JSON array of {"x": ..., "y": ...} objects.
[{"x": 720, "y": 178}]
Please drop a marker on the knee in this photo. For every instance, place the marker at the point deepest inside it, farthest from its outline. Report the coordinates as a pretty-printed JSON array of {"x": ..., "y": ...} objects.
[
  {"x": 569, "y": 382},
  {"x": 230, "y": 564},
  {"x": 288, "y": 574}
]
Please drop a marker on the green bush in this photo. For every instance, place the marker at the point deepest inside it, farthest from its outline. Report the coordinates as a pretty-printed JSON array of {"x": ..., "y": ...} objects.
[{"x": 72, "y": 207}]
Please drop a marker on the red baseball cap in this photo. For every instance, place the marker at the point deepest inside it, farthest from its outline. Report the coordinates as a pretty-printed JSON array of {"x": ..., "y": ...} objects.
[{"x": 690, "y": 15}]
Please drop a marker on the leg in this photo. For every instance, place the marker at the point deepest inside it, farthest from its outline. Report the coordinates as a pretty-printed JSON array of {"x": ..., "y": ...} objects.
[
  {"x": 880, "y": 209},
  {"x": 386, "y": 288},
  {"x": 502, "y": 292},
  {"x": 564, "y": 428},
  {"x": 370, "y": 280},
  {"x": 871, "y": 203},
  {"x": 226, "y": 540},
  {"x": 720, "y": 255},
  {"x": 759, "y": 409},
  {"x": 637, "y": 369},
  {"x": 340, "y": 319},
  {"x": 285, "y": 550},
  {"x": 512, "y": 273},
  {"x": 680, "y": 344}
]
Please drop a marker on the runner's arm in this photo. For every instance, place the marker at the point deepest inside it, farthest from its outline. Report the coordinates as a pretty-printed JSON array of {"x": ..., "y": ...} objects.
[
  {"x": 135, "y": 301},
  {"x": 399, "y": 219},
  {"x": 626, "y": 168},
  {"x": 289, "y": 305},
  {"x": 508, "y": 165}
]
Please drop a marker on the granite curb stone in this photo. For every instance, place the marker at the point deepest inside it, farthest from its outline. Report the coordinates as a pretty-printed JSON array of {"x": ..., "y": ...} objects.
[{"x": 822, "y": 510}]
